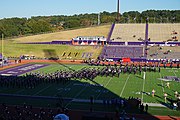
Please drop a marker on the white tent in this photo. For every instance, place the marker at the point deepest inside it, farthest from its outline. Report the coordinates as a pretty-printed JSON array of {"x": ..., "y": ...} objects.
[{"x": 61, "y": 117}]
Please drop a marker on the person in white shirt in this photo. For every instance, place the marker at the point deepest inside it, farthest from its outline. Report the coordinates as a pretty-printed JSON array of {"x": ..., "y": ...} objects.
[
  {"x": 174, "y": 106},
  {"x": 165, "y": 97},
  {"x": 153, "y": 92},
  {"x": 176, "y": 94}
]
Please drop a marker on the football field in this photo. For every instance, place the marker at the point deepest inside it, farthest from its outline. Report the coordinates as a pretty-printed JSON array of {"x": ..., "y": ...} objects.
[
  {"x": 78, "y": 91},
  {"x": 127, "y": 85}
]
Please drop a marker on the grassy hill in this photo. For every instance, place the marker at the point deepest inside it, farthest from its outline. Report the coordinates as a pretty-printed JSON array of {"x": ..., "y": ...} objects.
[
  {"x": 66, "y": 35},
  {"x": 12, "y": 48}
]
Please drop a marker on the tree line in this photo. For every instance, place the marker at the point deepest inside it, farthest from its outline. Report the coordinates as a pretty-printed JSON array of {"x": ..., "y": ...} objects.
[{"x": 35, "y": 25}]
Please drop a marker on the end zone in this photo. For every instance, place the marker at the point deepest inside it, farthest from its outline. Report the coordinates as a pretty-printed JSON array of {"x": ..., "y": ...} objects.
[{"x": 18, "y": 70}]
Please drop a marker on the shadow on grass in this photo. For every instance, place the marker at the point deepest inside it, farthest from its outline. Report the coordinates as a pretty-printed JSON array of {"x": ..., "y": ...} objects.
[
  {"x": 139, "y": 76},
  {"x": 146, "y": 93},
  {"x": 160, "y": 85},
  {"x": 80, "y": 92},
  {"x": 169, "y": 94},
  {"x": 52, "y": 55},
  {"x": 158, "y": 96},
  {"x": 168, "y": 105}
]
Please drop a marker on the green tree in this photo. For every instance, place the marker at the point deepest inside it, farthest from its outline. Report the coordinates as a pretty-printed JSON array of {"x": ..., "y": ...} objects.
[{"x": 72, "y": 24}]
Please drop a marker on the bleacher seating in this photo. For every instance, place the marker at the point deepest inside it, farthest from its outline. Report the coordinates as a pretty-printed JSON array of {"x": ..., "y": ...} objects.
[
  {"x": 157, "y": 32},
  {"x": 156, "y": 53},
  {"x": 163, "y": 32},
  {"x": 122, "y": 51},
  {"x": 126, "y": 32}
]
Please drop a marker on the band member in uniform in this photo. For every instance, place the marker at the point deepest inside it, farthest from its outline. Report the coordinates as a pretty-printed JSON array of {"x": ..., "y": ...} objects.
[
  {"x": 159, "y": 69},
  {"x": 168, "y": 85},
  {"x": 165, "y": 97},
  {"x": 176, "y": 94},
  {"x": 153, "y": 92}
]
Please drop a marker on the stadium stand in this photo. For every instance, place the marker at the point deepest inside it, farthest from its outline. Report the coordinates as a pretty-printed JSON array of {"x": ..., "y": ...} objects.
[
  {"x": 128, "y": 32},
  {"x": 136, "y": 32},
  {"x": 164, "y": 32},
  {"x": 164, "y": 52},
  {"x": 122, "y": 51}
]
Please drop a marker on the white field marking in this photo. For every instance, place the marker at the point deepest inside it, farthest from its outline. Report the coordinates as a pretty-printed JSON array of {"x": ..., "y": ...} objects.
[
  {"x": 48, "y": 85},
  {"x": 174, "y": 73},
  {"x": 76, "y": 95},
  {"x": 170, "y": 68},
  {"x": 19, "y": 91},
  {"x": 104, "y": 86},
  {"x": 124, "y": 85},
  {"x": 67, "y": 84},
  {"x": 144, "y": 77},
  {"x": 159, "y": 108},
  {"x": 64, "y": 88},
  {"x": 45, "y": 71},
  {"x": 143, "y": 85},
  {"x": 161, "y": 82},
  {"x": 42, "y": 90}
]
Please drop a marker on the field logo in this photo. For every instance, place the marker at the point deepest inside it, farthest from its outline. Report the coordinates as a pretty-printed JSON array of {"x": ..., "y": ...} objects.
[{"x": 170, "y": 78}]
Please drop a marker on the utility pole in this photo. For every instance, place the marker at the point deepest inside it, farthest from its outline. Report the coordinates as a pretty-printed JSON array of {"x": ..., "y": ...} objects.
[
  {"x": 99, "y": 17},
  {"x": 2, "y": 48},
  {"x": 118, "y": 11}
]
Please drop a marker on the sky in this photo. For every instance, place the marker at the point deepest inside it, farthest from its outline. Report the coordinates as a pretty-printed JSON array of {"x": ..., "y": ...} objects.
[{"x": 28, "y": 8}]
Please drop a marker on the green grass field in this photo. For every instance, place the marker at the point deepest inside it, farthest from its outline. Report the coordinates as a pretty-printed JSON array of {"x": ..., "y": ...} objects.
[
  {"x": 127, "y": 85},
  {"x": 13, "y": 49}
]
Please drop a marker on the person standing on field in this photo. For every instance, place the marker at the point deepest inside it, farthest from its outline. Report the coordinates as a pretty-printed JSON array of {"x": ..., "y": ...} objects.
[
  {"x": 165, "y": 97},
  {"x": 153, "y": 92},
  {"x": 176, "y": 94},
  {"x": 168, "y": 85}
]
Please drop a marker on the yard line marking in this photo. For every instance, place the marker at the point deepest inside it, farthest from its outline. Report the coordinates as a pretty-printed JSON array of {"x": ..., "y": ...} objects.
[
  {"x": 161, "y": 82},
  {"x": 68, "y": 84},
  {"x": 19, "y": 91},
  {"x": 170, "y": 68},
  {"x": 144, "y": 77},
  {"x": 45, "y": 71},
  {"x": 143, "y": 85},
  {"x": 174, "y": 73},
  {"x": 76, "y": 95},
  {"x": 48, "y": 85},
  {"x": 124, "y": 85},
  {"x": 104, "y": 87},
  {"x": 42, "y": 90},
  {"x": 64, "y": 87}
]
